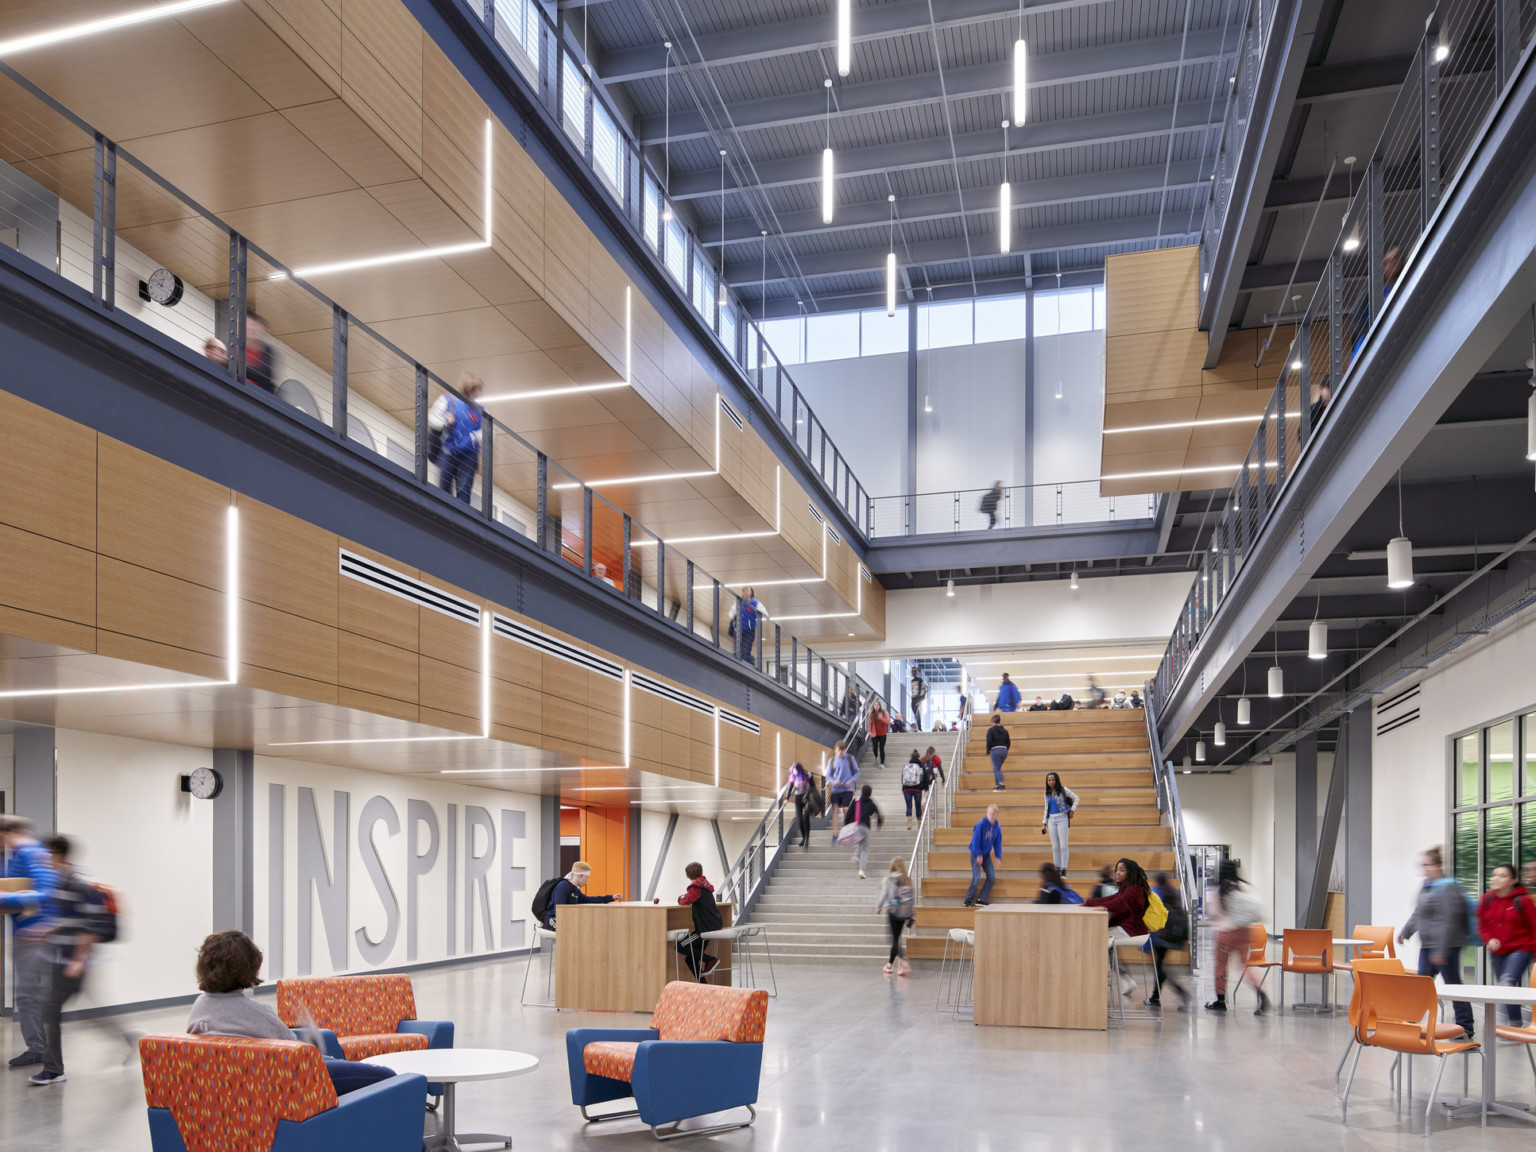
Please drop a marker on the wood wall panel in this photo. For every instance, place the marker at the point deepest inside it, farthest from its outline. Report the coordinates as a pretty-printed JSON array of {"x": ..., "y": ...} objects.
[
  {"x": 378, "y": 669},
  {"x": 287, "y": 564},
  {"x": 137, "y": 601},
  {"x": 348, "y": 697},
  {"x": 366, "y": 611},
  {"x": 446, "y": 687},
  {"x": 47, "y": 472},
  {"x": 46, "y": 577},
  {"x": 156, "y": 515},
  {"x": 287, "y": 643}
]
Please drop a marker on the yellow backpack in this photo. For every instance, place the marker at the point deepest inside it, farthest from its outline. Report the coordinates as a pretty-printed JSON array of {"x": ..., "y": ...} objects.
[{"x": 1156, "y": 914}]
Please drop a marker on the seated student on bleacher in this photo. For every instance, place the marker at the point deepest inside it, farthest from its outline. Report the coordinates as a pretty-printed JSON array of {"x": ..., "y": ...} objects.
[
  {"x": 228, "y": 965},
  {"x": 1039, "y": 705},
  {"x": 700, "y": 897}
]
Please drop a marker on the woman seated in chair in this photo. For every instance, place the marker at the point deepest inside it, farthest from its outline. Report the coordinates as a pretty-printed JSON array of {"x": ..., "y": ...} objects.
[
  {"x": 1129, "y": 902},
  {"x": 228, "y": 965}
]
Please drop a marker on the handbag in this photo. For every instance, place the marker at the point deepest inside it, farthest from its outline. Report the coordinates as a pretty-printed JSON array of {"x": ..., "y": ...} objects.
[{"x": 850, "y": 831}]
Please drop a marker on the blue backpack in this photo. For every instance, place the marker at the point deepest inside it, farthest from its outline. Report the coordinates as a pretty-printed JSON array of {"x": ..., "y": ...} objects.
[
  {"x": 1067, "y": 895},
  {"x": 1473, "y": 938}
]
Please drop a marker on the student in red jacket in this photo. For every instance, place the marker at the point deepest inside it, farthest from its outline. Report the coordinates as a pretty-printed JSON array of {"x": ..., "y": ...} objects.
[
  {"x": 1126, "y": 906},
  {"x": 1506, "y": 920}
]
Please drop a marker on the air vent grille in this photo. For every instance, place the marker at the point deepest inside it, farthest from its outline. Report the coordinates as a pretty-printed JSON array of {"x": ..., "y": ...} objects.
[
  {"x": 741, "y": 721},
  {"x": 820, "y": 519},
  {"x": 667, "y": 692},
  {"x": 366, "y": 571},
  {"x": 731, "y": 414},
  {"x": 551, "y": 646}
]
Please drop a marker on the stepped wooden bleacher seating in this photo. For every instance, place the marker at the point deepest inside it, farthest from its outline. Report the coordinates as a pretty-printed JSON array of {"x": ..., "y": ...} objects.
[{"x": 1103, "y": 756}]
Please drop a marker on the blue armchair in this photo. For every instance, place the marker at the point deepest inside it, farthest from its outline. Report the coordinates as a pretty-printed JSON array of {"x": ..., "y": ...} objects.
[{"x": 703, "y": 1055}]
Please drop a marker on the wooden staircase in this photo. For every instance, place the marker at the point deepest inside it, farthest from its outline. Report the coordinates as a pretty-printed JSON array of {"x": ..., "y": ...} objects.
[{"x": 1103, "y": 756}]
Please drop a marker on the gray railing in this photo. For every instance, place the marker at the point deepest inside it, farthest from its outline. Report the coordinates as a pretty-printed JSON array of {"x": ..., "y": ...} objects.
[
  {"x": 101, "y": 228},
  {"x": 938, "y": 805},
  {"x": 1030, "y": 506},
  {"x": 531, "y": 47},
  {"x": 1462, "y": 64},
  {"x": 1173, "y": 818}
]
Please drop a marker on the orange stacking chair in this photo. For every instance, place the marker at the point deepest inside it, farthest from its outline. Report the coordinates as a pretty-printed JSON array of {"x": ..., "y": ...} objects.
[
  {"x": 1257, "y": 957},
  {"x": 1305, "y": 952},
  {"x": 1398, "y": 1013}
]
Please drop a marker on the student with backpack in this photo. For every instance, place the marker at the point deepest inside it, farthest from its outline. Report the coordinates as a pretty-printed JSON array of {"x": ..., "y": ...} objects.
[
  {"x": 1128, "y": 908},
  {"x": 998, "y": 743},
  {"x": 1506, "y": 920},
  {"x": 1060, "y": 803},
  {"x": 856, "y": 825},
  {"x": 935, "y": 766},
  {"x": 568, "y": 889},
  {"x": 914, "y": 775},
  {"x": 75, "y": 917},
  {"x": 1054, "y": 888},
  {"x": 808, "y": 801},
  {"x": 1173, "y": 934},
  {"x": 700, "y": 897},
  {"x": 898, "y": 900},
  {"x": 1442, "y": 922}
]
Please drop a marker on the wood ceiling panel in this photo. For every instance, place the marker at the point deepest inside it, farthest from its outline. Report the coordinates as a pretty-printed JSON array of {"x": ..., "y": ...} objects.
[
  {"x": 421, "y": 209},
  {"x": 326, "y": 229},
  {"x": 249, "y": 48},
  {"x": 381, "y": 103},
  {"x": 340, "y": 133},
  {"x": 312, "y": 28},
  {"x": 488, "y": 274},
  {"x": 542, "y": 324},
  {"x": 455, "y": 339},
  {"x": 1151, "y": 291}
]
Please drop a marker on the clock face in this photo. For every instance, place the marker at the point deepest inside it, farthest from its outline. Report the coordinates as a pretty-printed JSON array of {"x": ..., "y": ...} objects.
[
  {"x": 206, "y": 783},
  {"x": 164, "y": 287}
]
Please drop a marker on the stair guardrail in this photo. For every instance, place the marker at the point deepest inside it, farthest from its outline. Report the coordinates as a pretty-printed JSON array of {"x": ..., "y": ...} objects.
[
  {"x": 1173, "y": 817},
  {"x": 939, "y": 805}
]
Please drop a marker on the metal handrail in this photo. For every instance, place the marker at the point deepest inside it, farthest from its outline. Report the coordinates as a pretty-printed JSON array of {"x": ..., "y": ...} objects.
[
  {"x": 1043, "y": 507},
  {"x": 1172, "y": 812},
  {"x": 917, "y": 862}
]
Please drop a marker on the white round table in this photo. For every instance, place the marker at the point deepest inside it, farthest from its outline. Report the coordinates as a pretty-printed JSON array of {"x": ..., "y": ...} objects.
[
  {"x": 450, "y": 1067},
  {"x": 1491, "y": 997}
]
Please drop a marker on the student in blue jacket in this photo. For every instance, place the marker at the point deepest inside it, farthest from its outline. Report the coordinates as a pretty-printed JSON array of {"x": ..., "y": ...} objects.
[
  {"x": 33, "y": 909},
  {"x": 986, "y": 843},
  {"x": 1008, "y": 696},
  {"x": 459, "y": 459}
]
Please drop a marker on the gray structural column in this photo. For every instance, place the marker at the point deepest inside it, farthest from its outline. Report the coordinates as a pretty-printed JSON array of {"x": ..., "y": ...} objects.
[
  {"x": 1028, "y": 479},
  {"x": 549, "y": 838},
  {"x": 36, "y": 778},
  {"x": 233, "y": 847},
  {"x": 1357, "y": 819},
  {"x": 1306, "y": 818},
  {"x": 634, "y": 855}
]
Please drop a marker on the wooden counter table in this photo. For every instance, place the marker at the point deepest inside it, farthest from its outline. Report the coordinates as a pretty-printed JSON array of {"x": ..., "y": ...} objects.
[
  {"x": 1041, "y": 966},
  {"x": 616, "y": 958}
]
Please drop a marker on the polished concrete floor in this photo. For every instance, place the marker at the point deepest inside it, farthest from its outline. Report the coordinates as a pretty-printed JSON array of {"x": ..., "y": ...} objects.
[{"x": 858, "y": 1060}]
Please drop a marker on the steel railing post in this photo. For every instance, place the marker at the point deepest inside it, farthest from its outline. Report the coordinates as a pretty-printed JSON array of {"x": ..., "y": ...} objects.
[
  {"x": 629, "y": 562},
  {"x": 542, "y": 533},
  {"x": 419, "y": 423},
  {"x": 339, "y": 328},
  {"x": 235, "y": 344},
  {"x": 487, "y": 465},
  {"x": 689, "y": 595},
  {"x": 104, "y": 223}
]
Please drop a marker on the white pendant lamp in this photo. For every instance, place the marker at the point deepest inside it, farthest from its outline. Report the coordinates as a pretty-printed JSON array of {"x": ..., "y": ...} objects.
[
  {"x": 890, "y": 262},
  {"x": 1317, "y": 640},
  {"x": 1530, "y": 426},
  {"x": 1276, "y": 681},
  {"x": 1020, "y": 76},
  {"x": 1074, "y": 579},
  {"x": 826, "y": 162},
  {"x": 1186, "y": 763},
  {"x": 844, "y": 36},
  {"x": 1400, "y": 548},
  {"x": 1199, "y": 751},
  {"x": 951, "y": 590},
  {"x": 1219, "y": 737},
  {"x": 1005, "y": 202},
  {"x": 1244, "y": 711}
]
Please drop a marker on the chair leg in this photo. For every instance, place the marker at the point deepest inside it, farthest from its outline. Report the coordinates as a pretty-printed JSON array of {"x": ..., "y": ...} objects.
[
  {"x": 1531, "y": 1056},
  {"x": 1339, "y": 1071},
  {"x": 768, "y": 952},
  {"x": 943, "y": 969},
  {"x": 527, "y": 968},
  {"x": 1348, "y": 1084},
  {"x": 1429, "y": 1109}
]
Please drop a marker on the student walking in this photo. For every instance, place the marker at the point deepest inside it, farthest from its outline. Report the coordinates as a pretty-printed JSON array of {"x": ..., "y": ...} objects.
[
  {"x": 30, "y": 862},
  {"x": 744, "y": 619},
  {"x": 1506, "y": 920},
  {"x": 917, "y": 692},
  {"x": 913, "y": 775},
  {"x": 1060, "y": 803},
  {"x": 1440, "y": 921},
  {"x": 998, "y": 743},
  {"x": 879, "y": 725},
  {"x": 842, "y": 775},
  {"x": 857, "y": 820},
  {"x": 459, "y": 459},
  {"x": 700, "y": 897},
  {"x": 1054, "y": 888},
  {"x": 69, "y": 940},
  {"x": 935, "y": 766},
  {"x": 986, "y": 845},
  {"x": 1237, "y": 909},
  {"x": 1173, "y": 934},
  {"x": 1008, "y": 696},
  {"x": 803, "y": 789},
  {"x": 898, "y": 900},
  {"x": 990, "y": 501}
]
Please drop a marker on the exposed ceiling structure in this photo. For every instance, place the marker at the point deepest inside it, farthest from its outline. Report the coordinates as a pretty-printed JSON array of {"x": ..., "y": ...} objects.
[{"x": 1126, "y": 100}]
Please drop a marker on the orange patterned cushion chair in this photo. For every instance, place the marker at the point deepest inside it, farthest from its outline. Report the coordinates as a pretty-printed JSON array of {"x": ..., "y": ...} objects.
[
  {"x": 365, "y": 1015},
  {"x": 230, "y": 1094},
  {"x": 703, "y": 1053}
]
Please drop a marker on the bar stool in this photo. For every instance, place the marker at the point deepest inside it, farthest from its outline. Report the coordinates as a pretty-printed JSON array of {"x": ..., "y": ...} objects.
[
  {"x": 1118, "y": 939},
  {"x": 541, "y": 934},
  {"x": 676, "y": 936},
  {"x": 961, "y": 943},
  {"x": 953, "y": 944},
  {"x": 742, "y": 937}
]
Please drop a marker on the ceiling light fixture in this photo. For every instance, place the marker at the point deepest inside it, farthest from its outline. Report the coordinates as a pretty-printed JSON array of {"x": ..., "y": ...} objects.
[
  {"x": 722, "y": 229},
  {"x": 1400, "y": 548},
  {"x": 703, "y": 539},
  {"x": 1219, "y": 736},
  {"x": 844, "y": 36},
  {"x": 1441, "y": 52},
  {"x": 827, "y": 177},
  {"x": 92, "y": 27},
  {"x": 1212, "y": 422},
  {"x": 1178, "y": 471},
  {"x": 546, "y": 393},
  {"x": 1276, "y": 675},
  {"x": 1199, "y": 751},
  {"x": 951, "y": 587},
  {"x": 1244, "y": 711},
  {"x": 927, "y": 402},
  {"x": 890, "y": 262},
  {"x": 571, "y": 485},
  {"x": 666, "y": 138},
  {"x": 1317, "y": 640},
  {"x": 1074, "y": 580},
  {"x": 1020, "y": 73},
  {"x": 1005, "y": 202},
  {"x": 1351, "y": 243}
]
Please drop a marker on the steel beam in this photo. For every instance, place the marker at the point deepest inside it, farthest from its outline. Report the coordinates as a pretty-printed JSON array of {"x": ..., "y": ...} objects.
[
  {"x": 946, "y": 205},
  {"x": 1043, "y": 136},
  {"x": 787, "y": 37},
  {"x": 1047, "y": 70},
  {"x": 1004, "y": 284},
  {"x": 1132, "y": 230}
]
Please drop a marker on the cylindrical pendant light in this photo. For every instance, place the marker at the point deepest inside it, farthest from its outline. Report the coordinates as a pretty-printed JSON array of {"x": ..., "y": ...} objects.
[
  {"x": 826, "y": 185},
  {"x": 1005, "y": 227},
  {"x": 1186, "y": 763},
  {"x": 1020, "y": 76},
  {"x": 951, "y": 590},
  {"x": 1074, "y": 579},
  {"x": 844, "y": 36},
  {"x": 1276, "y": 681},
  {"x": 890, "y": 283},
  {"x": 1399, "y": 562},
  {"x": 1530, "y": 427},
  {"x": 1219, "y": 738},
  {"x": 1199, "y": 751},
  {"x": 1244, "y": 710},
  {"x": 1317, "y": 640}
]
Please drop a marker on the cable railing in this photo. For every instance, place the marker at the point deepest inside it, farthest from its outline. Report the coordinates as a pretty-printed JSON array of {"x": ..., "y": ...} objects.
[
  {"x": 532, "y": 48},
  {"x": 1042, "y": 507},
  {"x": 106, "y": 228},
  {"x": 938, "y": 805},
  {"x": 1173, "y": 818},
  {"x": 1464, "y": 61}
]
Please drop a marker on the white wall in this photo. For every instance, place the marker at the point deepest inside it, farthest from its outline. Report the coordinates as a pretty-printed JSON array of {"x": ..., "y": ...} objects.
[
  {"x": 8, "y": 770},
  {"x": 975, "y": 434},
  {"x": 692, "y": 839},
  {"x": 997, "y": 617},
  {"x": 121, "y": 800},
  {"x": 515, "y": 864},
  {"x": 863, "y": 405},
  {"x": 1410, "y": 785}
]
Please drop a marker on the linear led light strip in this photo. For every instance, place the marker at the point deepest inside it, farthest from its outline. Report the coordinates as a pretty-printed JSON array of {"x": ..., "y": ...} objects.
[
  {"x": 569, "y": 485},
  {"x": 1055, "y": 660},
  {"x": 578, "y": 389},
  {"x": 231, "y": 632},
  {"x": 485, "y": 707},
  {"x": 1180, "y": 471},
  {"x": 419, "y": 254},
  {"x": 110, "y": 24},
  {"x": 1212, "y": 422}
]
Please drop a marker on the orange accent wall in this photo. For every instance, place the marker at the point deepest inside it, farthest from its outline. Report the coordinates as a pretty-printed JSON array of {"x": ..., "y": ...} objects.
[
  {"x": 605, "y": 846},
  {"x": 570, "y": 822}
]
